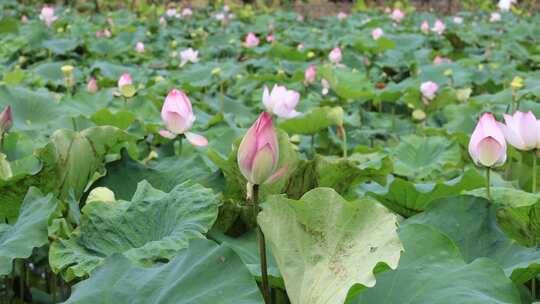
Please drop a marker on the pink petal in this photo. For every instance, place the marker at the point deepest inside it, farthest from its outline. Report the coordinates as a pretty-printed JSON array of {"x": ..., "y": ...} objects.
[
  {"x": 196, "y": 139},
  {"x": 167, "y": 134}
]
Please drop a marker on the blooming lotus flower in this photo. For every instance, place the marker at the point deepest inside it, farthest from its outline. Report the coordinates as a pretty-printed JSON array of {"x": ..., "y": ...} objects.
[
  {"x": 341, "y": 16},
  {"x": 188, "y": 55},
  {"x": 335, "y": 55},
  {"x": 6, "y": 120},
  {"x": 495, "y": 17},
  {"x": 377, "y": 33},
  {"x": 124, "y": 80},
  {"x": 281, "y": 101},
  {"x": 457, "y": 20},
  {"x": 187, "y": 12},
  {"x": 428, "y": 89},
  {"x": 177, "y": 114},
  {"x": 171, "y": 12},
  {"x": 92, "y": 87},
  {"x": 251, "y": 40},
  {"x": 47, "y": 15},
  {"x": 521, "y": 130},
  {"x": 139, "y": 47},
  {"x": 487, "y": 146},
  {"x": 397, "y": 15},
  {"x": 505, "y": 5},
  {"x": 424, "y": 27},
  {"x": 438, "y": 27},
  {"x": 310, "y": 74},
  {"x": 258, "y": 153}
]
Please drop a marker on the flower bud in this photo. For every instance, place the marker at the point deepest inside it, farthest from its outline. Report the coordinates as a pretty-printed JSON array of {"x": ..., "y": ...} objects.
[
  {"x": 258, "y": 153},
  {"x": 487, "y": 146},
  {"x": 92, "y": 86},
  {"x": 6, "y": 120}
]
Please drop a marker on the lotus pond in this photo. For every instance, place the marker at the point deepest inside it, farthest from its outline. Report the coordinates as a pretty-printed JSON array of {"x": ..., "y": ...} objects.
[{"x": 234, "y": 155}]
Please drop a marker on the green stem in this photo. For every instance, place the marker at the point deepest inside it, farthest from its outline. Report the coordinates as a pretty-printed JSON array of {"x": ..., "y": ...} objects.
[
  {"x": 534, "y": 172},
  {"x": 222, "y": 97},
  {"x": 488, "y": 183},
  {"x": 344, "y": 141},
  {"x": 262, "y": 248}
]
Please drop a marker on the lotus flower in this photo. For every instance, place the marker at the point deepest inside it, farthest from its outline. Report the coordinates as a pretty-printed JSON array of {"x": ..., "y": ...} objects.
[
  {"x": 326, "y": 86},
  {"x": 521, "y": 130},
  {"x": 310, "y": 75},
  {"x": 251, "y": 40},
  {"x": 139, "y": 47},
  {"x": 487, "y": 146},
  {"x": 438, "y": 27},
  {"x": 124, "y": 80},
  {"x": 187, "y": 12},
  {"x": 258, "y": 153},
  {"x": 335, "y": 55},
  {"x": 429, "y": 89},
  {"x": 162, "y": 21},
  {"x": 47, "y": 15},
  {"x": 171, "y": 12},
  {"x": 397, "y": 15},
  {"x": 341, "y": 16},
  {"x": 281, "y": 101},
  {"x": 505, "y": 5},
  {"x": 24, "y": 19},
  {"x": 377, "y": 33},
  {"x": 6, "y": 120},
  {"x": 457, "y": 20},
  {"x": 440, "y": 60},
  {"x": 177, "y": 114},
  {"x": 495, "y": 17},
  {"x": 270, "y": 38},
  {"x": 424, "y": 27},
  {"x": 188, "y": 55},
  {"x": 92, "y": 86}
]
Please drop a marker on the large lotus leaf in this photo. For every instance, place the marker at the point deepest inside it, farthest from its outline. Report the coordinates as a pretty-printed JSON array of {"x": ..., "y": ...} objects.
[
  {"x": 473, "y": 228},
  {"x": 408, "y": 198},
  {"x": 421, "y": 157},
  {"x": 314, "y": 121},
  {"x": 338, "y": 173},
  {"x": 30, "y": 230},
  {"x": 203, "y": 273},
  {"x": 518, "y": 213},
  {"x": 163, "y": 173},
  {"x": 151, "y": 228},
  {"x": 60, "y": 46},
  {"x": 347, "y": 83},
  {"x": 324, "y": 244},
  {"x": 432, "y": 271}
]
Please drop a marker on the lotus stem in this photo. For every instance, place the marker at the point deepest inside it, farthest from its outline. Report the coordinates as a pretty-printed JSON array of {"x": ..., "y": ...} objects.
[
  {"x": 488, "y": 183},
  {"x": 262, "y": 248}
]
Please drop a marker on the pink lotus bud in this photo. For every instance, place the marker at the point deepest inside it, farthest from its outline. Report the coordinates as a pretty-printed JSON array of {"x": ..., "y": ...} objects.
[
  {"x": 326, "y": 86},
  {"x": 281, "y": 101},
  {"x": 335, "y": 55},
  {"x": 139, "y": 47},
  {"x": 270, "y": 38},
  {"x": 397, "y": 15},
  {"x": 47, "y": 15},
  {"x": 92, "y": 86},
  {"x": 341, "y": 16},
  {"x": 310, "y": 74},
  {"x": 177, "y": 115},
  {"x": 424, "y": 27},
  {"x": 188, "y": 55},
  {"x": 251, "y": 40},
  {"x": 24, "y": 19},
  {"x": 457, "y": 20},
  {"x": 258, "y": 153},
  {"x": 187, "y": 12},
  {"x": 487, "y": 146},
  {"x": 162, "y": 21},
  {"x": 495, "y": 17},
  {"x": 428, "y": 89},
  {"x": 377, "y": 33},
  {"x": 521, "y": 130},
  {"x": 438, "y": 27},
  {"x": 125, "y": 79},
  {"x": 300, "y": 47},
  {"x": 6, "y": 120},
  {"x": 440, "y": 60}
]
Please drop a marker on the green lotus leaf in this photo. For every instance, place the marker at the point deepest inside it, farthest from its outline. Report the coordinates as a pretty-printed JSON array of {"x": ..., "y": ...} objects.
[
  {"x": 150, "y": 228},
  {"x": 324, "y": 244},
  {"x": 202, "y": 273}
]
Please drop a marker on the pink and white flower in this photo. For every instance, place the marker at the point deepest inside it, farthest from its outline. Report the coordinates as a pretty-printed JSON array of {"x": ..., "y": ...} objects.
[
  {"x": 438, "y": 27},
  {"x": 310, "y": 75},
  {"x": 281, "y": 101},
  {"x": 251, "y": 40},
  {"x": 521, "y": 130},
  {"x": 47, "y": 15},
  {"x": 92, "y": 86},
  {"x": 495, "y": 17},
  {"x": 377, "y": 33},
  {"x": 124, "y": 80},
  {"x": 335, "y": 55},
  {"x": 177, "y": 115},
  {"x": 424, "y": 27},
  {"x": 189, "y": 55},
  {"x": 139, "y": 47},
  {"x": 397, "y": 15},
  {"x": 487, "y": 146},
  {"x": 429, "y": 89}
]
